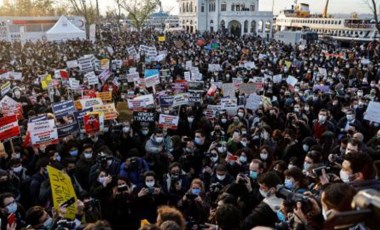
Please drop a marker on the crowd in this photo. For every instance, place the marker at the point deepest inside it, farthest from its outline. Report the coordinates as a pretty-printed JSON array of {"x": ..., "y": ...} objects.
[{"x": 293, "y": 163}]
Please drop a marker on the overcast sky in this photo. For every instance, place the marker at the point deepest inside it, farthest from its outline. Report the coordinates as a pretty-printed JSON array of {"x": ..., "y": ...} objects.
[{"x": 336, "y": 6}]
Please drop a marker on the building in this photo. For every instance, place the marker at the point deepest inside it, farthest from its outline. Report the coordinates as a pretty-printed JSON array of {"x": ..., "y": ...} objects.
[
  {"x": 237, "y": 16},
  {"x": 32, "y": 28}
]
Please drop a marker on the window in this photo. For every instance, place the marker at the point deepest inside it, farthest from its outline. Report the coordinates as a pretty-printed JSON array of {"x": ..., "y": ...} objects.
[
  {"x": 233, "y": 7},
  {"x": 211, "y": 21},
  {"x": 252, "y": 7},
  {"x": 203, "y": 8},
  {"x": 246, "y": 27},
  {"x": 191, "y": 7},
  {"x": 223, "y": 7},
  {"x": 253, "y": 27},
  {"x": 183, "y": 7},
  {"x": 238, "y": 7},
  {"x": 261, "y": 27}
]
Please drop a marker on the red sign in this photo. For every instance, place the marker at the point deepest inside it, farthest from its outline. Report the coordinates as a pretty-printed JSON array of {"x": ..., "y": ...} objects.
[
  {"x": 9, "y": 127},
  {"x": 91, "y": 123}
]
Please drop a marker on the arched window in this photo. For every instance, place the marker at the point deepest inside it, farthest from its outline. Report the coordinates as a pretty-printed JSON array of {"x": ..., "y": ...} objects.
[
  {"x": 260, "y": 26},
  {"x": 183, "y": 7},
  {"x": 237, "y": 7},
  {"x": 246, "y": 26},
  {"x": 233, "y": 7},
  {"x": 191, "y": 7},
  {"x": 203, "y": 7},
  {"x": 253, "y": 27},
  {"x": 267, "y": 26},
  {"x": 252, "y": 7},
  {"x": 223, "y": 24},
  {"x": 187, "y": 7}
]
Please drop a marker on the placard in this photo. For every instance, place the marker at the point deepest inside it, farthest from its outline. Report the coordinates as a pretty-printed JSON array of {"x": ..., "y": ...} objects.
[
  {"x": 72, "y": 64},
  {"x": 108, "y": 110},
  {"x": 253, "y": 102},
  {"x": 105, "y": 96},
  {"x": 67, "y": 125},
  {"x": 196, "y": 86},
  {"x": 372, "y": 112},
  {"x": 5, "y": 88},
  {"x": 74, "y": 84},
  {"x": 92, "y": 79},
  {"x": 63, "y": 108},
  {"x": 181, "y": 99},
  {"x": 144, "y": 117},
  {"x": 91, "y": 122},
  {"x": 9, "y": 127},
  {"x": 247, "y": 88},
  {"x": 291, "y": 80},
  {"x": 166, "y": 101},
  {"x": 228, "y": 90},
  {"x": 168, "y": 121},
  {"x": 89, "y": 103},
  {"x": 62, "y": 190},
  {"x": 152, "y": 77}
]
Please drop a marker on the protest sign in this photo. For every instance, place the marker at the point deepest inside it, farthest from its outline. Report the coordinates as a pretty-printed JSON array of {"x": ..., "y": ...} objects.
[
  {"x": 43, "y": 133},
  {"x": 372, "y": 112},
  {"x": 5, "y": 88},
  {"x": 249, "y": 65},
  {"x": 72, "y": 64},
  {"x": 104, "y": 64},
  {"x": 92, "y": 79},
  {"x": 196, "y": 86},
  {"x": 42, "y": 117},
  {"x": 179, "y": 87},
  {"x": 195, "y": 97},
  {"x": 161, "y": 38},
  {"x": 181, "y": 99},
  {"x": 86, "y": 63},
  {"x": 187, "y": 76},
  {"x": 132, "y": 77},
  {"x": 291, "y": 80},
  {"x": 168, "y": 121},
  {"x": 10, "y": 107},
  {"x": 91, "y": 122},
  {"x": 105, "y": 96},
  {"x": 152, "y": 77},
  {"x": 67, "y": 125},
  {"x": 253, "y": 102},
  {"x": 9, "y": 127},
  {"x": 125, "y": 114},
  {"x": 247, "y": 88},
  {"x": 132, "y": 51},
  {"x": 322, "y": 71},
  {"x": 63, "y": 108},
  {"x": 80, "y": 114},
  {"x": 74, "y": 84},
  {"x": 62, "y": 190},
  {"x": 108, "y": 110},
  {"x": 88, "y": 103},
  {"x": 277, "y": 78},
  {"x": 144, "y": 117},
  {"x": 189, "y": 64},
  {"x": 166, "y": 101},
  {"x": 214, "y": 67},
  {"x": 230, "y": 105},
  {"x": 212, "y": 111},
  {"x": 228, "y": 90},
  {"x": 105, "y": 75}
]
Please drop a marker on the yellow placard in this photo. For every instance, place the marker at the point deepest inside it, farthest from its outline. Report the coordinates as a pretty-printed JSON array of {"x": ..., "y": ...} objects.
[
  {"x": 105, "y": 96},
  {"x": 44, "y": 85},
  {"x": 78, "y": 105},
  {"x": 161, "y": 38},
  {"x": 62, "y": 190},
  {"x": 48, "y": 78},
  {"x": 288, "y": 64}
]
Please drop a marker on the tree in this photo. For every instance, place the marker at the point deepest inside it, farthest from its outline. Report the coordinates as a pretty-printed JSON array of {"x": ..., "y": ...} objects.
[
  {"x": 373, "y": 5},
  {"x": 86, "y": 9},
  {"x": 138, "y": 10}
]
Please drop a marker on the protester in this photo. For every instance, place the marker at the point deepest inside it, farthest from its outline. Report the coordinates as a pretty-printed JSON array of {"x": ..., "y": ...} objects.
[{"x": 229, "y": 136}]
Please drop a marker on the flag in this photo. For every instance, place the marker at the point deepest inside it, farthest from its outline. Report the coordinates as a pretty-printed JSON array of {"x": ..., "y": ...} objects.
[{"x": 64, "y": 74}]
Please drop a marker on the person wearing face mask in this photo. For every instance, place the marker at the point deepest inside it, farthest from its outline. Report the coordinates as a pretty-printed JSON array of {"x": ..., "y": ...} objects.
[
  {"x": 39, "y": 219},
  {"x": 221, "y": 176},
  {"x": 337, "y": 198},
  {"x": 107, "y": 162},
  {"x": 192, "y": 203},
  {"x": 97, "y": 142},
  {"x": 358, "y": 170},
  {"x": 234, "y": 143},
  {"x": 127, "y": 141},
  {"x": 265, "y": 213},
  {"x": 175, "y": 183},
  {"x": 349, "y": 120},
  {"x": 101, "y": 189},
  {"x": 8, "y": 206},
  {"x": 235, "y": 125},
  {"x": 295, "y": 180},
  {"x": 266, "y": 156},
  {"x": 83, "y": 165},
  {"x": 134, "y": 167},
  {"x": 149, "y": 197},
  {"x": 156, "y": 144}
]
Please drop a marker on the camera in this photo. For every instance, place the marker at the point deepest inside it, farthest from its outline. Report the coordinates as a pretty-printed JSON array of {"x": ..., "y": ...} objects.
[
  {"x": 102, "y": 158},
  {"x": 174, "y": 177},
  {"x": 151, "y": 190},
  {"x": 292, "y": 198},
  {"x": 65, "y": 224},
  {"x": 216, "y": 187},
  {"x": 242, "y": 179},
  {"x": 190, "y": 196},
  {"x": 318, "y": 171},
  {"x": 133, "y": 164}
]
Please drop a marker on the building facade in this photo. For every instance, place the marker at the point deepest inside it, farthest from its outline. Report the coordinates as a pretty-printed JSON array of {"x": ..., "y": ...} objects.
[{"x": 237, "y": 16}]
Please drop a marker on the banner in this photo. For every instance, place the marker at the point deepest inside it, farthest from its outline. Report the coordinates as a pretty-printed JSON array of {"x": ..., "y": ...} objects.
[
  {"x": 62, "y": 190},
  {"x": 166, "y": 101},
  {"x": 47, "y": 137},
  {"x": 74, "y": 84},
  {"x": 91, "y": 78},
  {"x": 195, "y": 97},
  {"x": 105, "y": 96},
  {"x": 9, "y": 127},
  {"x": 108, "y": 110},
  {"x": 5, "y": 88},
  {"x": 105, "y": 75},
  {"x": 372, "y": 112},
  {"x": 212, "y": 111},
  {"x": 228, "y": 90},
  {"x": 168, "y": 121},
  {"x": 67, "y": 125},
  {"x": 72, "y": 64},
  {"x": 141, "y": 102},
  {"x": 10, "y": 107},
  {"x": 92, "y": 122},
  {"x": 247, "y": 88},
  {"x": 196, "y": 86},
  {"x": 61, "y": 109},
  {"x": 42, "y": 117},
  {"x": 181, "y": 99},
  {"x": 144, "y": 117},
  {"x": 152, "y": 77},
  {"x": 88, "y": 103},
  {"x": 253, "y": 102},
  {"x": 104, "y": 64}
]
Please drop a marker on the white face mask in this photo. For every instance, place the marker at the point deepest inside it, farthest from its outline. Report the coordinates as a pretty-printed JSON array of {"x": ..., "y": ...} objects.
[
  {"x": 243, "y": 159},
  {"x": 102, "y": 179},
  {"x": 224, "y": 120},
  {"x": 145, "y": 132},
  {"x": 263, "y": 193},
  {"x": 159, "y": 139},
  {"x": 305, "y": 147},
  {"x": 321, "y": 118},
  {"x": 241, "y": 114},
  {"x": 221, "y": 177},
  {"x": 17, "y": 169},
  {"x": 126, "y": 129},
  {"x": 264, "y": 156},
  {"x": 344, "y": 176},
  {"x": 149, "y": 184},
  {"x": 190, "y": 119}
]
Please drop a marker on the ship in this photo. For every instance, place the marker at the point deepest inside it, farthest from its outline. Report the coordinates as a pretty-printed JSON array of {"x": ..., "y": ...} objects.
[{"x": 328, "y": 27}]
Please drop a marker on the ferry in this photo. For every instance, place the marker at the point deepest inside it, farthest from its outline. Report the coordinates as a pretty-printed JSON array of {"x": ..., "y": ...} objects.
[{"x": 327, "y": 27}]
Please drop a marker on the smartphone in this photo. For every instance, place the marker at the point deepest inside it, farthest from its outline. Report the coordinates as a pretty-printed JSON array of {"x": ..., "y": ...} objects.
[
  {"x": 151, "y": 190},
  {"x": 191, "y": 196},
  {"x": 68, "y": 203},
  {"x": 122, "y": 188},
  {"x": 11, "y": 219}
]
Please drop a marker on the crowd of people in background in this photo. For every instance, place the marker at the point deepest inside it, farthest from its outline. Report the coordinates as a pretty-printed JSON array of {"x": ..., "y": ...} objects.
[{"x": 226, "y": 172}]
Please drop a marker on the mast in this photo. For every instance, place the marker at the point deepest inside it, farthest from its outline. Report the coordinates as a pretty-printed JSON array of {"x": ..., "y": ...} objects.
[{"x": 324, "y": 15}]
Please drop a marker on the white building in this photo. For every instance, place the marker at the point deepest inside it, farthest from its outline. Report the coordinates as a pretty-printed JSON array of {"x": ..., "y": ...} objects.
[{"x": 237, "y": 16}]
